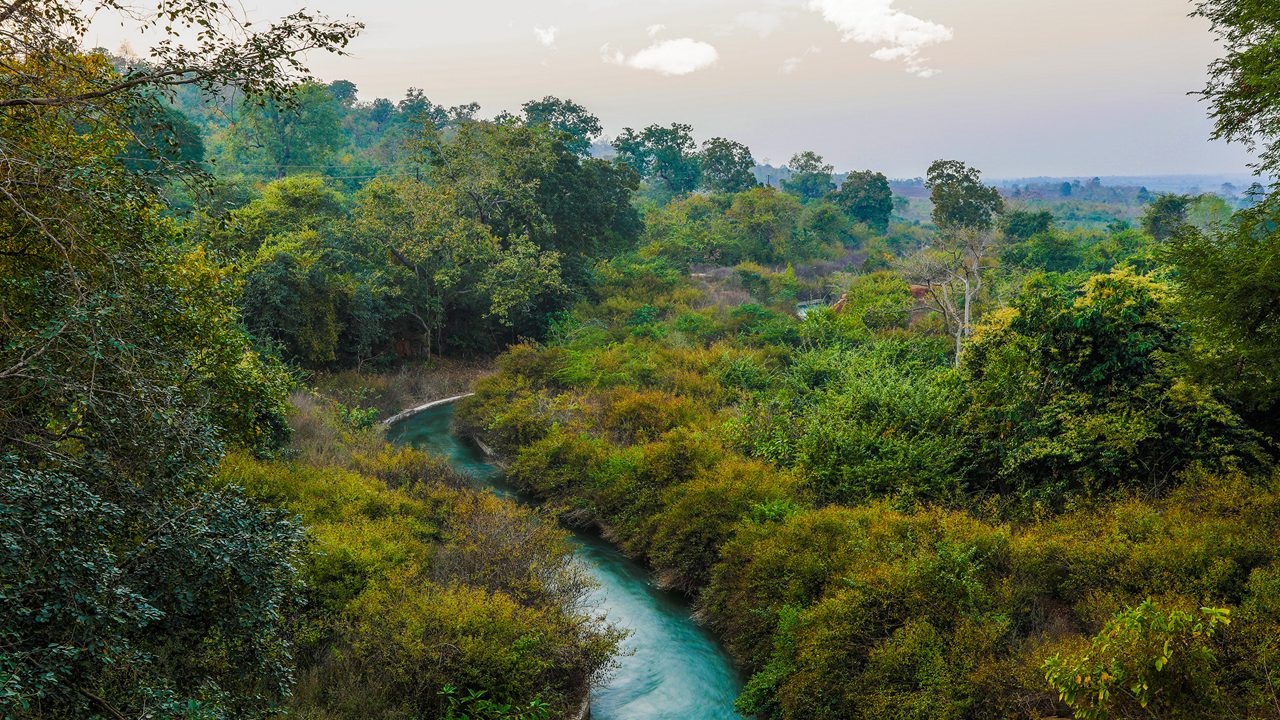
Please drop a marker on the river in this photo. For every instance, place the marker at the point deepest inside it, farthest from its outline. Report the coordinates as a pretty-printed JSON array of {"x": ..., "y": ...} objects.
[{"x": 672, "y": 669}]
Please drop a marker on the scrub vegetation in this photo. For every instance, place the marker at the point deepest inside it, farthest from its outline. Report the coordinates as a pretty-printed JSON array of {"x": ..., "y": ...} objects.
[{"x": 913, "y": 449}]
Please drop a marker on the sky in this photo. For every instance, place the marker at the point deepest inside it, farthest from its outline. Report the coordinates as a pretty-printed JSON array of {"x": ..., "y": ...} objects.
[{"x": 1014, "y": 87}]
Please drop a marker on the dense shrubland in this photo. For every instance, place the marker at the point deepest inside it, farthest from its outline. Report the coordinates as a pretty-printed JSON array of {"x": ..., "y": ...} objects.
[
  {"x": 876, "y": 532},
  {"x": 1023, "y": 467},
  {"x": 1075, "y": 513},
  {"x": 415, "y": 583}
]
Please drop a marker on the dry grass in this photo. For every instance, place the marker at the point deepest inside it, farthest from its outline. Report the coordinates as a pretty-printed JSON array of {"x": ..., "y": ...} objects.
[
  {"x": 321, "y": 438},
  {"x": 408, "y": 387}
]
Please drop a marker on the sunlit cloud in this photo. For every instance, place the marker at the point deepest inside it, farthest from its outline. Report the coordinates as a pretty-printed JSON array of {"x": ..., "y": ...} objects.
[
  {"x": 547, "y": 35},
  {"x": 653, "y": 30},
  {"x": 669, "y": 57},
  {"x": 902, "y": 36}
]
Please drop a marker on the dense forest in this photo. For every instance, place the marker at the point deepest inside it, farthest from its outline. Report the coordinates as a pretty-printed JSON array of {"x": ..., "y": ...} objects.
[{"x": 922, "y": 448}]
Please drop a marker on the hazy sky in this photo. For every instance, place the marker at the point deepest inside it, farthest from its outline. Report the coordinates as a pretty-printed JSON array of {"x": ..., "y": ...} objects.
[{"x": 1015, "y": 87}]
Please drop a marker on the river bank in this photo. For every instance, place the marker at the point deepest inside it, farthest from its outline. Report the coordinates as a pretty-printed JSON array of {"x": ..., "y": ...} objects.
[{"x": 673, "y": 668}]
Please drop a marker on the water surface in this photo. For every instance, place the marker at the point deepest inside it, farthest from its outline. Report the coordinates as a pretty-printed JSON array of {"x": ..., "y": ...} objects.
[{"x": 674, "y": 670}]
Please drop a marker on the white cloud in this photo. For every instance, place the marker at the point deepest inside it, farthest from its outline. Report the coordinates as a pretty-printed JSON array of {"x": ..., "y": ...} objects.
[
  {"x": 547, "y": 35},
  {"x": 669, "y": 57},
  {"x": 792, "y": 63},
  {"x": 902, "y": 36},
  {"x": 653, "y": 30}
]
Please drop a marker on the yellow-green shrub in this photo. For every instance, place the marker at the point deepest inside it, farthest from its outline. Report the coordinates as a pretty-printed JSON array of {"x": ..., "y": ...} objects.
[
  {"x": 416, "y": 588},
  {"x": 698, "y": 516},
  {"x": 632, "y": 416}
]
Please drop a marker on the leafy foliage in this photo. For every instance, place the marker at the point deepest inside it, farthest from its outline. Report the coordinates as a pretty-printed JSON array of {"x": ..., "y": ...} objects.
[
  {"x": 1159, "y": 660},
  {"x": 1229, "y": 283},
  {"x": 866, "y": 198}
]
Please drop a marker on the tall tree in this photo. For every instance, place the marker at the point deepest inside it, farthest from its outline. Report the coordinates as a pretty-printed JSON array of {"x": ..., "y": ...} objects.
[
  {"x": 566, "y": 116},
  {"x": 1166, "y": 215},
  {"x": 964, "y": 211},
  {"x": 297, "y": 133},
  {"x": 1074, "y": 391},
  {"x": 1229, "y": 285},
  {"x": 417, "y": 109},
  {"x": 665, "y": 154},
  {"x": 810, "y": 176},
  {"x": 1024, "y": 224},
  {"x": 762, "y": 222},
  {"x": 132, "y": 584},
  {"x": 726, "y": 166},
  {"x": 345, "y": 92},
  {"x": 449, "y": 264},
  {"x": 1244, "y": 104},
  {"x": 866, "y": 197},
  {"x": 1230, "y": 277},
  {"x": 961, "y": 203}
]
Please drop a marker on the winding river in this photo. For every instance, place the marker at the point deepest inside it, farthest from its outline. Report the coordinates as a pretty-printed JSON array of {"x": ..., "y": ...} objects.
[{"x": 672, "y": 669}]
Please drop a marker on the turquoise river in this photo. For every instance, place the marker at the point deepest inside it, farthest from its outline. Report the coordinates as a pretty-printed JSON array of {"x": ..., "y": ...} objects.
[{"x": 672, "y": 669}]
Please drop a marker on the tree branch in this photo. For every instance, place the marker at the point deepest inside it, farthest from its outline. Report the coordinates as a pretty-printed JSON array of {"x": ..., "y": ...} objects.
[
  {"x": 109, "y": 90},
  {"x": 13, "y": 8}
]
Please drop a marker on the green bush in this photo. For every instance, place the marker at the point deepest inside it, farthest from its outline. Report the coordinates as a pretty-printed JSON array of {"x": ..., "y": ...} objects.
[
  {"x": 698, "y": 516},
  {"x": 420, "y": 587}
]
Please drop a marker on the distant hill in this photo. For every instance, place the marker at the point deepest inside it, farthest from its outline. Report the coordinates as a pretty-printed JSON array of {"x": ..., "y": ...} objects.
[{"x": 1192, "y": 184}]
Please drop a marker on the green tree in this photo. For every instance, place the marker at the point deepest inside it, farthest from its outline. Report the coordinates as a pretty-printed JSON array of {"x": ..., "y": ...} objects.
[
  {"x": 166, "y": 142},
  {"x": 417, "y": 108},
  {"x": 667, "y": 155},
  {"x": 866, "y": 197},
  {"x": 810, "y": 176},
  {"x": 1229, "y": 285},
  {"x": 525, "y": 181},
  {"x": 132, "y": 583},
  {"x": 449, "y": 264},
  {"x": 726, "y": 166},
  {"x": 762, "y": 222},
  {"x": 691, "y": 230},
  {"x": 298, "y": 133},
  {"x": 344, "y": 92},
  {"x": 1077, "y": 390},
  {"x": 821, "y": 225},
  {"x": 1245, "y": 106},
  {"x": 1051, "y": 251},
  {"x": 291, "y": 295},
  {"x": 1166, "y": 215},
  {"x": 964, "y": 211},
  {"x": 293, "y": 204},
  {"x": 580, "y": 127},
  {"x": 1023, "y": 225},
  {"x": 961, "y": 203}
]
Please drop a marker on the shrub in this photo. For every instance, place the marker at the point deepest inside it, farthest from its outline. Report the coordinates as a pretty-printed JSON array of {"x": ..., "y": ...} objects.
[
  {"x": 415, "y": 589},
  {"x": 699, "y": 516},
  {"x": 558, "y": 466},
  {"x": 632, "y": 416},
  {"x": 1147, "y": 661}
]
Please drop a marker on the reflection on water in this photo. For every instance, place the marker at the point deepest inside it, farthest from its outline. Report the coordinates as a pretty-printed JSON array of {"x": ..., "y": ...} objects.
[{"x": 674, "y": 669}]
